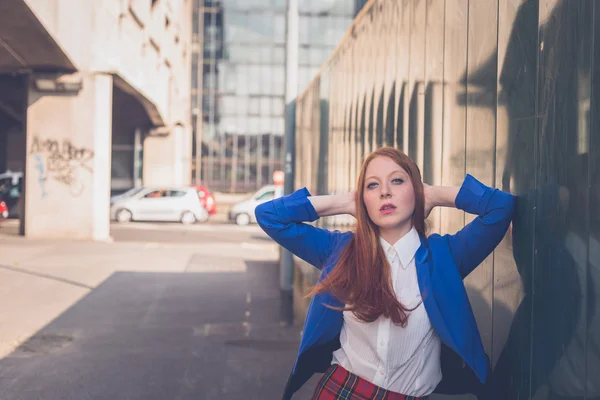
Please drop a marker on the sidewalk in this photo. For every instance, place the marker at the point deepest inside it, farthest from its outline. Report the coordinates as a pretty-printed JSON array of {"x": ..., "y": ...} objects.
[{"x": 134, "y": 320}]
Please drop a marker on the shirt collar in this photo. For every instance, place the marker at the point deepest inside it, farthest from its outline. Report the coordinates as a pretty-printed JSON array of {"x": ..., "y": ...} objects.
[{"x": 405, "y": 247}]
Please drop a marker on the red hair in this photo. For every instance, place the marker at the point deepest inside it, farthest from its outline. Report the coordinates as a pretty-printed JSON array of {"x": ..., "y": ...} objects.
[{"x": 362, "y": 277}]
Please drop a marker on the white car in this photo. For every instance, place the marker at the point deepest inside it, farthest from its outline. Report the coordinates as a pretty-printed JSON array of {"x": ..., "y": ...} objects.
[
  {"x": 159, "y": 204},
  {"x": 243, "y": 212}
]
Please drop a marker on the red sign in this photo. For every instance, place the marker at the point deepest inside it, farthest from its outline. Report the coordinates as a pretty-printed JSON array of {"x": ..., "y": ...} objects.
[{"x": 278, "y": 177}]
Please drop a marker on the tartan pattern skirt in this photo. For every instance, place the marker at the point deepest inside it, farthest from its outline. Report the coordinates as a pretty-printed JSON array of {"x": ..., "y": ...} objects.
[{"x": 339, "y": 384}]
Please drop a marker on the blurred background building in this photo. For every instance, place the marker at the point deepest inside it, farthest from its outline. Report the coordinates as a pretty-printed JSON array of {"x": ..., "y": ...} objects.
[
  {"x": 238, "y": 81},
  {"x": 94, "y": 99}
]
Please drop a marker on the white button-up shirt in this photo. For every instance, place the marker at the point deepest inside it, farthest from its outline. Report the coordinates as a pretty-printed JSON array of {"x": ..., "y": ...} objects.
[{"x": 402, "y": 360}]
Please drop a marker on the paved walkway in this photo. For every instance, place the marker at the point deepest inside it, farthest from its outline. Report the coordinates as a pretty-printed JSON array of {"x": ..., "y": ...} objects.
[{"x": 161, "y": 318}]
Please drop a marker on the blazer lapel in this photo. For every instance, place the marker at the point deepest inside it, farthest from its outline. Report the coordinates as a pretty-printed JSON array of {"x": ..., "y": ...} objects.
[{"x": 424, "y": 264}]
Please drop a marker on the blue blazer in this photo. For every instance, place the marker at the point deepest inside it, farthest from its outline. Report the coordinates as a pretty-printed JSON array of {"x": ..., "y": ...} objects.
[{"x": 442, "y": 263}]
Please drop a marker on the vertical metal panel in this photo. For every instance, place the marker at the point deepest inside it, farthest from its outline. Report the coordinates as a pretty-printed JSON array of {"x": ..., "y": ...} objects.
[
  {"x": 482, "y": 63},
  {"x": 390, "y": 48},
  {"x": 561, "y": 225},
  {"x": 379, "y": 117},
  {"x": 369, "y": 85},
  {"x": 379, "y": 49},
  {"x": 370, "y": 142},
  {"x": 400, "y": 61},
  {"x": 314, "y": 133},
  {"x": 434, "y": 98},
  {"x": 325, "y": 101},
  {"x": 361, "y": 60},
  {"x": 455, "y": 65},
  {"x": 362, "y": 127},
  {"x": 402, "y": 67},
  {"x": 351, "y": 100},
  {"x": 417, "y": 81},
  {"x": 515, "y": 172},
  {"x": 593, "y": 275}
]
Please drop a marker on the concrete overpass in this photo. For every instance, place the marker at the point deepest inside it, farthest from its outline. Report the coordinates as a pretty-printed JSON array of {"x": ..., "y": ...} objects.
[{"x": 94, "y": 98}]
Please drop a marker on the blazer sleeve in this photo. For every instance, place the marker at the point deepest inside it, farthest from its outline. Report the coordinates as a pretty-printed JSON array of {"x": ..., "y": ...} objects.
[
  {"x": 284, "y": 220},
  {"x": 494, "y": 209}
]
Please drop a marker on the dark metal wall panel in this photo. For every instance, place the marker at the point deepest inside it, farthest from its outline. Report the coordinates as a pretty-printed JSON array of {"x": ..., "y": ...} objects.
[
  {"x": 592, "y": 383},
  {"x": 561, "y": 225},
  {"x": 515, "y": 172},
  {"x": 325, "y": 123}
]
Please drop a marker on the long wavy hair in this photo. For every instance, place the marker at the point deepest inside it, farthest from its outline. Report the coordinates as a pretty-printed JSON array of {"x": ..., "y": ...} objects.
[{"x": 362, "y": 277}]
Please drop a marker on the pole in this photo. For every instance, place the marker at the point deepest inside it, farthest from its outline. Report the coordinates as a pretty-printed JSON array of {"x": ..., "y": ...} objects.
[
  {"x": 286, "y": 271},
  {"x": 199, "y": 90}
]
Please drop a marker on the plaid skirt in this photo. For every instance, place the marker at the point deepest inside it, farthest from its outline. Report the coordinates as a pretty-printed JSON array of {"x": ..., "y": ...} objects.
[{"x": 339, "y": 384}]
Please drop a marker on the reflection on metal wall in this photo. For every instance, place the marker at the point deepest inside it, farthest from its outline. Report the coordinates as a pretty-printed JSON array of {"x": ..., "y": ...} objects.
[{"x": 504, "y": 90}]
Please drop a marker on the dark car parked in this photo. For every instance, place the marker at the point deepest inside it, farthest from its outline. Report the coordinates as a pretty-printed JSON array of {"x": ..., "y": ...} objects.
[{"x": 10, "y": 191}]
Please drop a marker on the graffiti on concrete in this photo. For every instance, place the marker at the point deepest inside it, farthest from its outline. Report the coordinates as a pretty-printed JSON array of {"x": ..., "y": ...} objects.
[
  {"x": 39, "y": 165},
  {"x": 62, "y": 162}
]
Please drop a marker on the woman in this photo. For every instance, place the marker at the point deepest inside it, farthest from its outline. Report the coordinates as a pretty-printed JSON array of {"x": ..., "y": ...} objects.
[{"x": 390, "y": 300}]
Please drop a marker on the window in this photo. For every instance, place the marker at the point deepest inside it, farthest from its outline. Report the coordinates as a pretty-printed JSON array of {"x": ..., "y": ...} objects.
[
  {"x": 279, "y": 55},
  {"x": 266, "y": 196},
  {"x": 279, "y": 28},
  {"x": 254, "y": 104},
  {"x": 155, "y": 194},
  {"x": 265, "y": 106},
  {"x": 13, "y": 193},
  {"x": 175, "y": 193}
]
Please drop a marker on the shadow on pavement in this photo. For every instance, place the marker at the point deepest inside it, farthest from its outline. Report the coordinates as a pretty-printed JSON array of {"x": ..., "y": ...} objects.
[
  {"x": 161, "y": 336},
  {"x": 262, "y": 237}
]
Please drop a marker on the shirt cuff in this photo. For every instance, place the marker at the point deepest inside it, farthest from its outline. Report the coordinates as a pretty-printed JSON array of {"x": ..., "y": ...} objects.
[
  {"x": 473, "y": 196},
  {"x": 297, "y": 206}
]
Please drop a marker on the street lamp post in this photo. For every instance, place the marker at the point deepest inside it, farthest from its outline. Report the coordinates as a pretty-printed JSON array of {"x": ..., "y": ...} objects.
[
  {"x": 291, "y": 91},
  {"x": 199, "y": 90}
]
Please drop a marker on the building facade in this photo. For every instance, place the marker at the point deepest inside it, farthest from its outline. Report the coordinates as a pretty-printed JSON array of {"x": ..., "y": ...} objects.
[
  {"x": 95, "y": 99},
  {"x": 238, "y": 82},
  {"x": 506, "y": 91}
]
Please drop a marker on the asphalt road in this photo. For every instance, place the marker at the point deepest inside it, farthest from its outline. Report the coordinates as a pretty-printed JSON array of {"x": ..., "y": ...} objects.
[{"x": 184, "y": 313}]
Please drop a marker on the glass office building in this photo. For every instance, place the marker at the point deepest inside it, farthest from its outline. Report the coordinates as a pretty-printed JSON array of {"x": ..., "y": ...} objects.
[{"x": 239, "y": 64}]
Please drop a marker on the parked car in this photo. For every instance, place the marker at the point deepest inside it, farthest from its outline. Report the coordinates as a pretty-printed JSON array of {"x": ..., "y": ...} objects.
[
  {"x": 129, "y": 193},
  {"x": 243, "y": 212},
  {"x": 10, "y": 191},
  {"x": 160, "y": 204},
  {"x": 207, "y": 199},
  {"x": 3, "y": 211}
]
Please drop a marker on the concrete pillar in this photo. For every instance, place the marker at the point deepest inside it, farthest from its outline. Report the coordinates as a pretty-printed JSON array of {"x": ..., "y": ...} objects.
[
  {"x": 168, "y": 159},
  {"x": 68, "y": 163}
]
